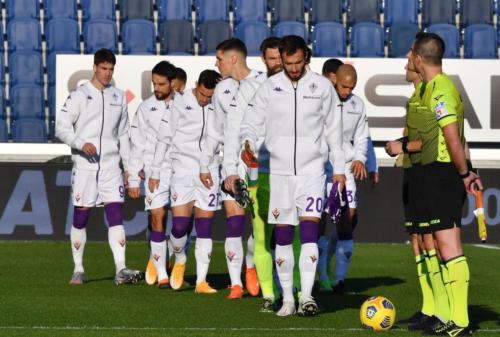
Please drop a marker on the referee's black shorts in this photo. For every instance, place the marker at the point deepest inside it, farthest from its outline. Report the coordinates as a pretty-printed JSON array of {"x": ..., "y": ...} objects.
[
  {"x": 445, "y": 195},
  {"x": 409, "y": 213},
  {"x": 419, "y": 199}
]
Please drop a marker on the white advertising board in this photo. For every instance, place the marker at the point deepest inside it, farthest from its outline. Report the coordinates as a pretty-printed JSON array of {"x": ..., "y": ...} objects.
[{"x": 381, "y": 84}]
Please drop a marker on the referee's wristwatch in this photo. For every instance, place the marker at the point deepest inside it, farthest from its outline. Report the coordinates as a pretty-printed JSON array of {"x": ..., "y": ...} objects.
[{"x": 463, "y": 176}]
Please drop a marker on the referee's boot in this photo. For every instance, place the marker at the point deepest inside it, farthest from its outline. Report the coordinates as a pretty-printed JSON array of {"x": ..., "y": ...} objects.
[{"x": 450, "y": 329}]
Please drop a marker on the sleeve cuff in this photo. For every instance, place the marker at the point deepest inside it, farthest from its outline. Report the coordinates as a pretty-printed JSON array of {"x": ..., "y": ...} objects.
[
  {"x": 155, "y": 174},
  {"x": 134, "y": 182},
  {"x": 204, "y": 169},
  {"x": 231, "y": 170},
  {"x": 78, "y": 143},
  {"x": 340, "y": 170},
  {"x": 360, "y": 158}
]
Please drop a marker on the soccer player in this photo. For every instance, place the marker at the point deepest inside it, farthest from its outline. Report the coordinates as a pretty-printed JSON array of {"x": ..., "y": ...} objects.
[
  {"x": 143, "y": 131},
  {"x": 94, "y": 123},
  {"x": 341, "y": 240},
  {"x": 179, "y": 83},
  {"x": 184, "y": 133},
  {"x": 297, "y": 110},
  {"x": 440, "y": 123},
  {"x": 231, "y": 60},
  {"x": 262, "y": 231},
  {"x": 355, "y": 144}
]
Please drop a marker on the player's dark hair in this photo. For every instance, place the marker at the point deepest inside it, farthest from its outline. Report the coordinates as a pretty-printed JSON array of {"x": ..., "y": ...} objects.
[
  {"x": 269, "y": 43},
  {"x": 290, "y": 44},
  {"x": 209, "y": 78},
  {"x": 165, "y": 69},
  {"x": 331, "y": 66},
  {"x": 232, "y": 44},
  {"x": 180, "y": 75},
  {"x": 104, "y": 55},
  {"x": 430, "y": 46}
]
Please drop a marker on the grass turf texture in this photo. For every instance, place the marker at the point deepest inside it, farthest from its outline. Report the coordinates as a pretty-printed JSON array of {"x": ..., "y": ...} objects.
[{"x": 36, "y": 299}]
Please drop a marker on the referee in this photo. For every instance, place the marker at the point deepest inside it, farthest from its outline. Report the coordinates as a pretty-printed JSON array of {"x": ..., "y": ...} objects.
[{"x": 446, "y": 173}]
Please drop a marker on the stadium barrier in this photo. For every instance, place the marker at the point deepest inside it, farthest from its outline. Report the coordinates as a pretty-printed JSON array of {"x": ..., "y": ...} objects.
[{"x": 35, "y": 204}]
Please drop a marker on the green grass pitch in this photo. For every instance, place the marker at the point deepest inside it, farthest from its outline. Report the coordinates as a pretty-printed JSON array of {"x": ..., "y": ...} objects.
[{"x": 36, "y": 299}]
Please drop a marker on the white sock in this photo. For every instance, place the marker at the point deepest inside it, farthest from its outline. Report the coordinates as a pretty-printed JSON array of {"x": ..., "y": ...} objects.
[
  {"x": 284, "y": 266},
  {"x": 276, "y": 279},
  {"x": 178, "y": 248},
  {"x": 117, "y": 242},
  {"x": 203, "y": 254},
  {"x": 234, "y": 258},
  {"x": 249, "y": 256},
  {"x": 78, "y": 239},
  {"x": 170, "y": 248},
  {"x": 308, "y": 261},
  {"x": 323, "y": 258},
  {"x": 159, "y": 254},
  {"x": 343, "y": 258}
]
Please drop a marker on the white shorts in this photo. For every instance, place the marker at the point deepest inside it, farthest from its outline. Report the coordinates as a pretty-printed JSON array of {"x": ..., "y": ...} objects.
[
  {"x": 161, "y": 196},
  {"x": 242, "y": 173},
  {"x": 94, "y": 188},
  {"x": 350, "y": 184},
  {"x": 188, "y": 188},
  {"x": 295, "y": 196}
]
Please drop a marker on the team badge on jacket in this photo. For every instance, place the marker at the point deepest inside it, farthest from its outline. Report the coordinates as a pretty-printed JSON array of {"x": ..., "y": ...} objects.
[{"x": 276, "y": 213}]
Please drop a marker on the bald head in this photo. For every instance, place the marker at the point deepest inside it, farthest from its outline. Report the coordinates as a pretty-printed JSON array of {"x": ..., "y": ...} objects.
[
  {"x": 346, "y": 81},
  {"x": 347, "y": 71}
]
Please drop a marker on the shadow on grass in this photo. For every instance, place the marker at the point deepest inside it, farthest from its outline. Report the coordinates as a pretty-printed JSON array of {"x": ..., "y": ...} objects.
[
  {"x": 101, "y": 279},
  {"x": 482, "y": 313},
  {"x": 352, "y": 298}
]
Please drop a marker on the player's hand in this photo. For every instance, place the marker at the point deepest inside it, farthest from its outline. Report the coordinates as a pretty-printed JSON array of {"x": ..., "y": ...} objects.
[
  {"x": 374, "y": 178},
  {"x": 153, "y": 184},
  {"x": 472, "y": 183},
  {"x": 340, "y": 178},
  {"x": 393, "y": 148},
  {"x": 358, "y": 170},
  {"x": 206, "y": 180},
  {"x": 134, "y": 192},
  {"x": 125, "y": 179},
  {"x": 247, "y": 155},
  {"x": 89, "y": 149},
  {"x": 230, "y": 182},
  {"x": 142, "y": 175}
]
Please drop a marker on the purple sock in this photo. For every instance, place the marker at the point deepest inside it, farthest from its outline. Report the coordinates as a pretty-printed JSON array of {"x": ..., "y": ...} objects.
[
  {"x": 203, "y": 227},
  {"x": 157, "y": 236},
  {"x": 308, "y": 232},
  {"x": 284, "y": 235},
  {"x": 80, "y": 217},
  {"x": 234, "y": 226},
  {"x": 180, "y": 226},
  {"x": 114, "y": 213}
]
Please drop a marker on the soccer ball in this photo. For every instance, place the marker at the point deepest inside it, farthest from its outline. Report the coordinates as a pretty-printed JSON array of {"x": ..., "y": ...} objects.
[{"x": 377, "y": 313}]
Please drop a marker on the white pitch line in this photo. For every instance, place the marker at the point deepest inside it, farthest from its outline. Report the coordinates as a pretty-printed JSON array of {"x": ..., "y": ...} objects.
[
  {"x": 124, "y": 328},
  {"x": 486, "y": 246}
]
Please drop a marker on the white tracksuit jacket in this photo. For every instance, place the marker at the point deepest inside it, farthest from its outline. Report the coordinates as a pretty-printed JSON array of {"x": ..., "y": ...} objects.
[
  {"x": 356, "y": 131},
  {"x": 98, "y": 117},
  {"x": 184, "y": 133},
  {"x": 303, "y": 125},
  {"x": 220, "y": 123},
  {"x": 143, "y": 137},
  {"x": 232, "y": 143}
]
